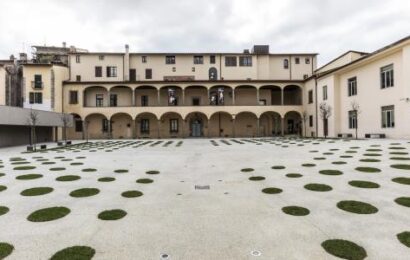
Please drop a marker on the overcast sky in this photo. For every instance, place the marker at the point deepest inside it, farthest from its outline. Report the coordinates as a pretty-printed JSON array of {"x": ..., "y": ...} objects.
[{"x": 328, "y": 27}]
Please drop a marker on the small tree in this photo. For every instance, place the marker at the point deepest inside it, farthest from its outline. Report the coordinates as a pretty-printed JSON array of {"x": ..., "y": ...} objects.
[
  {"x": 304, "y": 118},
  {"x": 65, "y": 119},
  {"x": 32, "y": 121},
  {"x": 356, "y": 111},
  {"x": 325, "y": 113}
]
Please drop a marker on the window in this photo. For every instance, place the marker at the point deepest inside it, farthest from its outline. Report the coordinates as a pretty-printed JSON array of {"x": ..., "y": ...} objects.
[
  {"x": 99, "y": 100},
  {"x": 307, "y": 61},
  {"x": 173, "y": 125},
  {"x": 77, "y": 59},
  {"x": 36, "y": 98},
  {"x": 73, "y": 97},
  {"x": 38, "y": 82},
  {"x": 98, "y": 71},
  {"x": 352, "y": 119},
  {"x": 169, "y": 59},
  {"x": 113, "y": 100},
  {"x": 198, "y": 59},
  {"x": 148, "y": 73},
  {"x": 324, "y": 92},
  {"x": 388, "y": 117},
  {"x": 311, "y": 121},
  {"x": 78, "y": 125},
  {"x": 196, "y": 101},
  {"x": 305, "y": 76},
  {"x": 286, "y": 64},
  {"x": 78, "y": 78},
  {"x": 105, "y": 125},
  {"x": 193, "y": 69},
  {"x": 144, "y": 127},
  {"x": 101, "y": 57},
  {"x": 212, "y": 59},
  {"x": 174, "y": 69},
  {"x": 352, "y": 86},
  {"x": 144, "y": 101},
  {"x": 111, "y": 71},
  {"x": 387, "y": 76},
  {"x": 310, "y": 93},
  {"x": 297, "y": 60},
  {"x": 144, "y": 59},
  {"x": 230, "y": 61},
  {"x": 245, "y": 61}
]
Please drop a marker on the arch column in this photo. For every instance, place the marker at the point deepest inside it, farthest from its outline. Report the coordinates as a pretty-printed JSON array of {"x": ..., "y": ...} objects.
[
  {"x": 282, "y": 125},
  {"x": 183, "y": 97},
  {"x": 133, "y": 98},
  {"x": 109, "y": 99},
  {"x": 233, "y": 126},
  {"x": 159, "y": 97},
  {"x": 233, "y": 96},
  {"x": 257, "y": 96},
  {"x": 282, "y": 97},
  {"x": 257, "y": 127},
  {"x": 159, "y": 128}
]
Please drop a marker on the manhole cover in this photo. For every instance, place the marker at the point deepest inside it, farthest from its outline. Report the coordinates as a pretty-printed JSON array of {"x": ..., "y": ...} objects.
[
  {"x": 164, "y": 256},
  {"x": 256, "y": 253},
  {"x": 202, "y": 187}
]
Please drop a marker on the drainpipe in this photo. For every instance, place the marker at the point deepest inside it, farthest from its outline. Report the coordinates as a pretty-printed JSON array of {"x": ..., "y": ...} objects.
[{"x": 316, "y": 109}]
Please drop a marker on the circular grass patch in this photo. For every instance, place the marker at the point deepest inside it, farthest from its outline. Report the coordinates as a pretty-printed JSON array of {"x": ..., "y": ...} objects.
[
  {"x": 68, "y": 178},
  {"x": 399, "y": 153},
  {"x": 3, "y": 188},
  {"x": 373, "y": 150},
  {"x": 278, "y": 167},
  {"x": 368, "y": 169},
  {"x": 48, "y": 214},
  {"x": 404, "y": 238},
  {"x": 404, "y": 201},
  {"x": 121, "y": 171},
  {"x": 331, "y": 172},
  {"x": 132, "y": 194},
  {"x": 84, "y": 192},
  {"x": 75, "y": 253},
  {"x": 114, "y": 214},
  {"x": 89, "y": 170},
  {"x": 319, "y": 158},
  {"x": 38, "y": 191},
  {"x": 272, "y": 190},
  {"x": 308, "y": 165},
  {"x": 5, "y": 250},
  {"x": 346, "y": 156},
  {"x": 247, "y": 170},
  {"x": 2, "y": 174},
  {"x": 24, "y": 168},
  {"x": 55, "y": 169},
  {"x": 145, "y": 181},
  {"x": 256, "y": 178},
  {"x": 29, "y": 176},
  {"x": 76, "y": 163},
  {"x": 400, "y": 158},
  {"x": 294, "y": 175},
  {"x": 106, "y": 179},
  {"x": 401, "y": 166},
  {"x": 152, "y": 172},
  {"x": 402, "y": 180},
  {"x": 372, "y": 154},
  {"x": 396, "y": 148},
  {"x": 339, "y": 162},
  {"x": 364, "y": 184},
  {"x": 344, "y": 249},
  {"x": 318, "y": 187},
  {"x": 4, "y": 210},
  {"x": 295, "y": 211},
  {"x": 357, "y": 207},
  {"x": 48, "y": 163},
  {"x": 369, "y": 160}
]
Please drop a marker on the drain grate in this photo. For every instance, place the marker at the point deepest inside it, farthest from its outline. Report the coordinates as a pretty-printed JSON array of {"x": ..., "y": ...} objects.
[
  {"x": 256, "y": 253},
  {"x": 202, "y": 187}
]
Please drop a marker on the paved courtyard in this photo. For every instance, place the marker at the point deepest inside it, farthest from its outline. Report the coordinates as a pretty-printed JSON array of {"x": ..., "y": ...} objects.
[{"x": 207, "y": 199}]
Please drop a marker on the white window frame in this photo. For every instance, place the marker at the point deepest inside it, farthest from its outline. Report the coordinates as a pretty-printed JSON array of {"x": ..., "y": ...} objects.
[
  {"x": 388, "y": 116},
  {"x": 352, "y": 86},
  {"x": 325, "y": 92},
  {"x": 352, "y": 119},
  {"x": 387, "y": 76}
]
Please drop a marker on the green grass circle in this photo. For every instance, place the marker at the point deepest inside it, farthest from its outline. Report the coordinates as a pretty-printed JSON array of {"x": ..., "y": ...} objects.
[
  {"x": 132, "y": 194},
  {"x": 247, "y": 170},
  {"x": 74, "y": 253},
  {"x": 357, "y": 207},
  {"x": 121, "y": 171},
  {"x": 3, "y": 188},
  {"x": 401, "y": 166},
  {"x": 368, "y": 169},
  {"x": 272, "y": 190},
  {"x": 331, "y": 172},
  {"x": 295, "y": 211},
  {"x": 48, "y": 214},
  {"x": 4, "y": 210},
  {"x": 294, "y": 175},
  {"x": 278, "y": 167},
  {"x": 68, "y": 178},
  {"x": 144, "y": 181},
  {"x": 369, "y": 160},
  {"x": 404, "y": 238},
  {"x": 55, "y": 169},
  {"x": 400, "y": 180},
  {"x": 106, "y": 179},
  {"x": 84, "y": 192},
  {"x": 403, "y": 201},
  {"x": 89, "y": 170},
  {"x": 364, "y": 184},
  {"x": 339, "y": 162},
  {"x": 344, "y": 249},
  {"x": 318, "y": 187},
  {"x": 114, "y": 214},
  {"x": 152, "y": 172},
  {"x": 308, "y": 165},
  {"x": 5, "y": 250},
  {"x": 29, "y": 177},
  {"x": 37, "y": 191},
  {"x": 24, "y": 168},
  {"x": 256, "y": 178}
]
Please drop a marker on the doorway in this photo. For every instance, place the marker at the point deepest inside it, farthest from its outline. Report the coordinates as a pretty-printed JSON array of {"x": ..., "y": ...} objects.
[{"x": 196, "y": 128}]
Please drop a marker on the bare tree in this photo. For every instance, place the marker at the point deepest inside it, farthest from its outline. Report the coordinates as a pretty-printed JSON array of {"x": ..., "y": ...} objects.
[
  {"x": 356, "y": 111},
  {"x": 304, "y": 118},
  {"x": 32, "y": 121},
  {"x": 65, "y": 119},
  {"x": 325, "y": 113}
]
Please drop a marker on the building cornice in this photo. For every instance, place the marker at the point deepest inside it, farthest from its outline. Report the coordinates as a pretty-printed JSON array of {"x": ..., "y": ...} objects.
[{"x": 216, "y": 82}]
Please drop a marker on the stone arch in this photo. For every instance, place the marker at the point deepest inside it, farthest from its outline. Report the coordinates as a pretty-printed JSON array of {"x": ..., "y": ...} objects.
[
  {"x": 122, "y": 126},
  {"x": 271, "y": 95},
  {"x": 195, "y": 95},
  {"x": 270, "y": 123},
  {"x": 97, "y": 126},
  {"x": 172, "y": 125},
  {"x": 121, "y": 96},
  {"x": 76, "y": 131},
  {"x": 146, "y": 95},
  {"x": 197, "y": 124},
  {"x": 147, "y": 125},
  {"x": 221, "y": 95},
  {"x": 293, "y": 123},
  {"x": 90, "y": 94},
  {"x": 246, "y": 95},
  {"x": 171, "y": 95},
  {"x": 292, "y": 95},
  {"x": 221, "y": 124},
  {"x": 246, "y": 124}
]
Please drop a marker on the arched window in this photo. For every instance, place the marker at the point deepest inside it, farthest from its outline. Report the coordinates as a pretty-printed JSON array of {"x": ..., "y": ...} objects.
[{"x": 286, "y": 64}]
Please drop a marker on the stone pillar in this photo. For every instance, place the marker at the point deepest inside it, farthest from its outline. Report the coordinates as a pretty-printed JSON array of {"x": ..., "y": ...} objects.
[
  {"x": 109, "y": 129},
  {"x": 182, "y": 128},
  {"x": 183, "y": 97},
  {"x": 282, "y": 126},
  {"x": 258, "y": 127},
  {"x": 209, "y": 97},
  {"x": 159, "y": 128},
  {"x": 133, "y": 98},
  {"x": 207, "y": 128},
  {"x": 233, "y": 127},
  {"x": 282, "y": 97},
  {"x": 257, "y": 97},
  {"x": 159, "y": 97},
  {"x": 233, "y": 96},
  {"x": 108, "y": 98},
  {"x": 133, "y": 129}
]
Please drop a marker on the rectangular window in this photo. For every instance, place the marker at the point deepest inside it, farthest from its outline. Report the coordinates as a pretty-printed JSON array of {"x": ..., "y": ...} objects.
[
  {"x": 144, "y": 127},
  {"x": 144, "y": 59},
  {"x": 198, "y": 59},
  {"x": 193, "y": 69},
  {"x": 230, "y": 61},
  {"x": 387, "y": 76},
  {"x": 352, "y": 119},
  {"x": 148, "y": 73},
  {"x": 36, "y": 98},
  {"x": 98, "y": 71},
  {"x": 286, "y": 64},
  {"x": 388, "y": 117},
  {"x": 38, "y": 82},
  {"x": 297, "y": 60},
  {"x": 311, "y": 121},
  {"x": 111, "y": 71},
  {"x": 324, "y": 92},
  {"x": 133, "y": 75},
  {"x": 144, "y": 101},
  {"x": 105, "y": 125},
  {"x": 99, "y": 100},
  {"x": 245, "y": 61},
  {"x": 78, "y": 125},
  {"x": 77, "y": 59},
  {"x": 173, "y": 125},
  {"x": 307, "y": 61},
  {"x": 113, "y": 100},
  {"x": 212, "y": 59},
  {"x": 169, "y": 59},
  {"x": 78, "y": 78},
  {"x": 196, "y": 101},
  {"x": 174, "y": 69},
  {"x": 352, "y": 86},
  {"x": 310, "y": 98},
  {"x": 73, "y": 97},
  {"x": 101, "y": 57}
]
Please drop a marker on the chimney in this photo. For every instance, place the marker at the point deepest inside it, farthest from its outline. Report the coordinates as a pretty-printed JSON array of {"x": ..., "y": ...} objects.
[
  {"x": 64, "y": 45},
  {"x": 127, "y": 63}
]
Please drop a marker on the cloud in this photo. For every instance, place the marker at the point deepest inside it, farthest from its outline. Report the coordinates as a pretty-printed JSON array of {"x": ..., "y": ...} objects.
[{"x": 327, "y": 27}]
